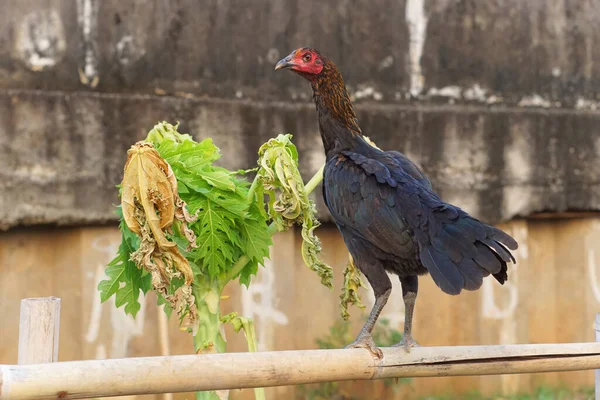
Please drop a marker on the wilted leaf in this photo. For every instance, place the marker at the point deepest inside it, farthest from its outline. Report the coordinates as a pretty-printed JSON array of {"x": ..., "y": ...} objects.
[
  {"x": 350, "y": 294},
  {"x": 150, "y": 203},
  {"x": 288, "y": 201}
]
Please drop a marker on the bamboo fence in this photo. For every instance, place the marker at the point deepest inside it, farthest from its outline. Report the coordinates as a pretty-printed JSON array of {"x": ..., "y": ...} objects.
[{"x": 38, "y": 377}]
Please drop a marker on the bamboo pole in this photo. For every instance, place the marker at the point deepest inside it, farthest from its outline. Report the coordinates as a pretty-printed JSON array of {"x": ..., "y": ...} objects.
[
  {"x": 130, "y": 376},
  {"x": 597, "y": 372},
  {"x": 163, "y": 336},
  {"x": 38, "y": 330}
]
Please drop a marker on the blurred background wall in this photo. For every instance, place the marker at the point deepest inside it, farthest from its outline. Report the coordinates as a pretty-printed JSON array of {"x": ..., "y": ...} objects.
[{"x": 498, "y": 101}]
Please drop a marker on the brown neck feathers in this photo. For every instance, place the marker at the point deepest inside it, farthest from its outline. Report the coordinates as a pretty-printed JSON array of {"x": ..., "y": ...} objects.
[{"x": 330, "y": 93}]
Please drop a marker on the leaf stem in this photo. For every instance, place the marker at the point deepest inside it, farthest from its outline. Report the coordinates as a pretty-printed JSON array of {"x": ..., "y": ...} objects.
[
  {"x": 253, "y": 187},
  {"x": 237, "y": 268},
  {"x": 272, "y": 229},
  {"x": 259, "y": 393},
  {"x": 315, "y": 180}
]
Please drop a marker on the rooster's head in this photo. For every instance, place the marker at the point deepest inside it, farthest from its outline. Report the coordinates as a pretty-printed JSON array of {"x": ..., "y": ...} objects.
[{"x": 306, "y": 62}]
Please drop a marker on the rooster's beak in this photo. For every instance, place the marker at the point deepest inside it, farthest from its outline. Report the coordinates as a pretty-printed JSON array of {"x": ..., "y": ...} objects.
[{"x": 285, "y": 62}]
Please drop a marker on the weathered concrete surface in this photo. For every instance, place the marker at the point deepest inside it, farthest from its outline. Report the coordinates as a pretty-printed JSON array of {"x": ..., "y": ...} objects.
[
  {"x": 537, "y": 53},
  {"x": 61, "y": 155},
  {"x": 533, "y": 53},
  {"x": 496, "y": 100}
]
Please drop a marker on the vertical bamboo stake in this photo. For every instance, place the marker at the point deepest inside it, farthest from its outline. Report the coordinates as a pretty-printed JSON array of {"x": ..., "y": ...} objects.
[
  {"x": 163, "y": 335},
  {"x": 597, "y": 372},
  {"x": 38, "y": 330}
]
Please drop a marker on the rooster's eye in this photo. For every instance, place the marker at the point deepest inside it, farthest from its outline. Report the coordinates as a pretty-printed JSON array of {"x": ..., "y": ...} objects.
[{"x": 306, "y": 58}]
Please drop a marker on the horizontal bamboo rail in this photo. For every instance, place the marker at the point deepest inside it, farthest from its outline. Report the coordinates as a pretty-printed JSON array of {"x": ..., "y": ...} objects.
[{"x": 130, "y": 376}]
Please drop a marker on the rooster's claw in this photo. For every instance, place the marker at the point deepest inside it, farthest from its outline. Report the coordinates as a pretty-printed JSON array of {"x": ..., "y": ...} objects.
[
  {"x": 366, "y": 342},
  {"x": 407, "y": 342}
]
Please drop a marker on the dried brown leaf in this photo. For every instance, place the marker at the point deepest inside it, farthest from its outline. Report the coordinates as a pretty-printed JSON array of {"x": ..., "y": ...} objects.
[{"x": 150, "y": 204}]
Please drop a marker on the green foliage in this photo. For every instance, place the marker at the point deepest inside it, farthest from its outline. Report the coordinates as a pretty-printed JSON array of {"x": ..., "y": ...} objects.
[
  {"x": 228, "y": 224},
  {"x": 231, "y": 217},
  {"x": 541, "y": 393},
  {"x": 201, "y": 226},
  {"x": 288, "y": 202},
  {"x": 121, "y": 270}
]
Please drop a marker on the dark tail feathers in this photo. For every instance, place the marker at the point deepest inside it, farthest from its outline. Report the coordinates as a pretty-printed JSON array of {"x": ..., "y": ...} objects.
[{"x": 464, "y": 251}]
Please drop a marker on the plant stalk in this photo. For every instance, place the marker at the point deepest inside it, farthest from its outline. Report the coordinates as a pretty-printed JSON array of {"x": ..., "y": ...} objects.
[
  {"x": 315, "y": 180},
  {"x": 259, "y": 393},
  {"x": 209, "y": 338}
]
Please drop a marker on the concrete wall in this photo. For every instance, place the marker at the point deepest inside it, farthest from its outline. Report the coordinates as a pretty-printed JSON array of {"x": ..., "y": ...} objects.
[{"x": 497, "y": 100}]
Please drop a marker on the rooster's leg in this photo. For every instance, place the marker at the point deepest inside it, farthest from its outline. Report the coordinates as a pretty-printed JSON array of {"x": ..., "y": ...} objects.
[
  {"x": 410, "y": 287},
  {"x": 382, "y": 287}
]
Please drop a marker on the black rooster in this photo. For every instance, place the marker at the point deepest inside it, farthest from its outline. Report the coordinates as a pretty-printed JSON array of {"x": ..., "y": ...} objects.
[{"x": 385, "y": 208}]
